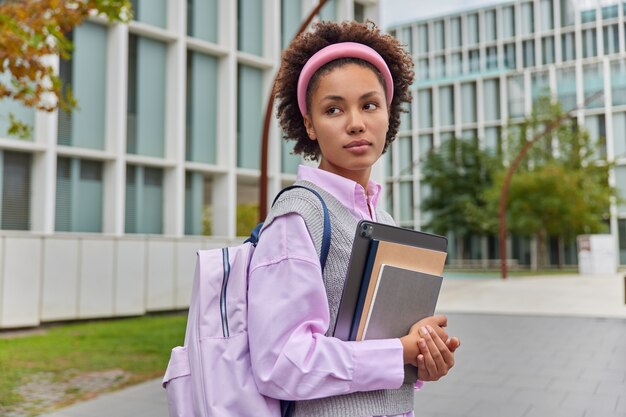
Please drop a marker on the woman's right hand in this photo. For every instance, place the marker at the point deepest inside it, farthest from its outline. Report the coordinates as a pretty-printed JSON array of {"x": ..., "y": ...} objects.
[{"x": 428, "y": 347}]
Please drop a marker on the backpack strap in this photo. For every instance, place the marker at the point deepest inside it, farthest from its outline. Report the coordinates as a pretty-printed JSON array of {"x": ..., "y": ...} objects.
[{"x": 254, "y": 236}]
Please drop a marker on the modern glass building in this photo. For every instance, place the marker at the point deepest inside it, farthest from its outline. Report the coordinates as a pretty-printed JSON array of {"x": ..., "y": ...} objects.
[
  {"x": 480, "y": 70},
  {"x": 101, "y": 209}
]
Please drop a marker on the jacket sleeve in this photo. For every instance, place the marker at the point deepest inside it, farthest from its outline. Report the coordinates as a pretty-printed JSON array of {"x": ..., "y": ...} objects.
[{"x": 288, "y": 316}]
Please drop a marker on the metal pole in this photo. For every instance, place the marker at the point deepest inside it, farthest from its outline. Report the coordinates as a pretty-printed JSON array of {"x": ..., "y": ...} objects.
[{"x": 266, "y": 124}]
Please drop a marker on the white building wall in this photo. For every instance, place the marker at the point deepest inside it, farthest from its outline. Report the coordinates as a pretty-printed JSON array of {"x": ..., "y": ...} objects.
[{"x": 47, "y": 275}]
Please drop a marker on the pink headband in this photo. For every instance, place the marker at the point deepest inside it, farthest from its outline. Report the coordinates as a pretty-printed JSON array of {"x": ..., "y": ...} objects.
[{"x": 337, "y": 51}]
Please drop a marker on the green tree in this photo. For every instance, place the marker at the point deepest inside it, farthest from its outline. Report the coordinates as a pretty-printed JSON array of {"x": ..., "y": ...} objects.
[
  {"x": 31, "y": 31},
  {"x": 560, "y": 188},
  {"x": 458, "y": 173}
]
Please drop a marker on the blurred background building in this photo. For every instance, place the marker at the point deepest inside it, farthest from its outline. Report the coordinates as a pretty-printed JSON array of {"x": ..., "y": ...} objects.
[
  {"x": 101, "y": 211},
  {"x": 480, "y": 70}
]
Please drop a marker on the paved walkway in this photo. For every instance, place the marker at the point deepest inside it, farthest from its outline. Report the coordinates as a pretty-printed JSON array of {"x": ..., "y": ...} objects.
[{"x": 531, "y": 347}]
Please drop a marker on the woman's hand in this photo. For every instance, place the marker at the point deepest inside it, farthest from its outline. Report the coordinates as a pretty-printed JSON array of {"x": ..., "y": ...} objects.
[
  {"x": 436, "y": 357},
  {"x": 424, "y": 348}
]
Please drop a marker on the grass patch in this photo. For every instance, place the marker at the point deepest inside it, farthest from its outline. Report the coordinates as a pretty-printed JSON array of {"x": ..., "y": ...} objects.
[{"x": 138, "y": 347}]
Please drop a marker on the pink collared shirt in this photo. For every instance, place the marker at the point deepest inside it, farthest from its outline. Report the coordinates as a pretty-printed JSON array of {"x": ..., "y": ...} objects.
[{"x": 288, "y": 313}]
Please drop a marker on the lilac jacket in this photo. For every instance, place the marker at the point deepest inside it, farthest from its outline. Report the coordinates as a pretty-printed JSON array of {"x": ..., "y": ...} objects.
[{"x": 288, "y": 313}]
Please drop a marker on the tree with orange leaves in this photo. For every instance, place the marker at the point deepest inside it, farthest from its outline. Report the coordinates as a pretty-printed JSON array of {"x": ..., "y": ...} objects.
[{"x": 30, "y": 31}]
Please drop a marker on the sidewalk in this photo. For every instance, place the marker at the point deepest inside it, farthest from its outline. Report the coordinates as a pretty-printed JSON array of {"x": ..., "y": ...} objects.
[{"x": 526, "y": 312}]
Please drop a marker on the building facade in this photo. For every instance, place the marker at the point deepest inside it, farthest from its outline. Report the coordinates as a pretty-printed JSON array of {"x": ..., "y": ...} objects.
[
  {"x": 101, "y": 210},
  {"x": 480, "y": 71}
]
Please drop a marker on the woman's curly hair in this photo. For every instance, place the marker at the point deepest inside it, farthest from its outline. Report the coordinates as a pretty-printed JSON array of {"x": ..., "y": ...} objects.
[{"x": 306, "y": 45}]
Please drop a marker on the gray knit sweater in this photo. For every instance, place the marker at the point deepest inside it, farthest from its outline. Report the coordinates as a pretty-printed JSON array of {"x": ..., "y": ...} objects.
[{"x": 343, "y": 228}]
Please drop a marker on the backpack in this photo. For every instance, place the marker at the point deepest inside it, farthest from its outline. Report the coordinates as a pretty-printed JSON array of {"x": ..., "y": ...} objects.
[{"x": 211, "y": 374}]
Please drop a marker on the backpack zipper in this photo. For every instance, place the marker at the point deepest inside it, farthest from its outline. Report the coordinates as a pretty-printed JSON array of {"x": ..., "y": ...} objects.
[{"x": 223, "y": 310}]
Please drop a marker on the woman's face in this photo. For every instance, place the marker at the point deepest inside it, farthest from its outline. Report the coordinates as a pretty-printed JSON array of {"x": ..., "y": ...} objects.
[{"x": 349, "y": 119}]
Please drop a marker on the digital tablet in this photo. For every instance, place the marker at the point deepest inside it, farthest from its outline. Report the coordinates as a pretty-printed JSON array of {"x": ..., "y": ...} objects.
[{"x": 366, "y": 232}]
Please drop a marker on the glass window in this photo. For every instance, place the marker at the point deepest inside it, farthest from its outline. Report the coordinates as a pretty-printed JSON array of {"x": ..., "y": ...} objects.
[
  {"x": 547, "y": 15},
  {"x": 202, "y": 19},
  {"x": 588, "y": 16},
  {"x": 590, "y": 47},
  {"x": 509, "y": 56},
  {"x": 456, "y": 40},
  {"x": 593, "y": 82},
  {"x": 568, "y": 13},
  {"x": 440, "y": 36},
  {"x": 473, "y": 36},
  {"x": 547, "y": 50},
  {"x": 146, "y": 97},
  {"x": 152, "y": 12},
  {"x": 529, "y": 53},
  {"x": 422, "y": 39},
  {"x": 329, "y": 11},
  {"x": 468, "y": 97},
  {"x": 455, "y": 67},
  {"x": 566, "y": 87},
  {"x": 249, "y": 117},
  {"x": 86, "y": 73},
  {"x": 198, "y": 204},
  {"x": 516, "y": 96},
  {"x": 619, "y": 135},
  {"x": 540, "y": 84},
  {"x": 621, "y": 231},
  {"x": 406, "y": 201},
  {"x": 492, "y": 140},
  {"x": 291, "y": 15},
  {"x": 620, "y": 184},
  {"x": 468, "y": 134},
  {"x": 405, "y": 155},
  {"x": 446, "y": 106},
  {"x": 144, "y": 200},
  {"x": 202, "y": 108},
  {"x": 508, "y": 22},
  {"x": 19, "y": 111},
  {"x": 491, "y": 99},
  {"x": 610, "y": 12},
  {"x": 15, "y": 180},
  {"x": 389, "y": 197},
  {"x": 250, "y": 25},
  {"x": 596, "y": 126},
  {"x": 618, "y": 82},
  {"x": 425, "y": 109},
  {"x": 425, "y": 192},
  {"x": 440, "y": 67},
  {"x": 568, "y": 47},
  {"x": 406, "y": 118},
  {"x": 474, "y": 60},
  {"x": 423, "y": 70},
  {"x": 388, "y": 155},
  {"x": 425, "y": 145},
  {"x": 492, "y": 57},
  {"x": 359, "y": 12},
  {"x": 289, "y": 160},
  {"x": 407, "y": 35},
  {"x": 528, "y": 19},
  {"x": 491, "y": 29},
  {"x": 79, "y": 191},
  {"x": 611, "y": 39}
]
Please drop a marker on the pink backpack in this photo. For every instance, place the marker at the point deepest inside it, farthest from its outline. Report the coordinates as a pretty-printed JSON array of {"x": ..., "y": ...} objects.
[{"x": 211, "y": 374}]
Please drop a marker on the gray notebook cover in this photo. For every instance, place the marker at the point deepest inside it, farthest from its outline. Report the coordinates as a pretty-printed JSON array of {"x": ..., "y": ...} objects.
[{"x": 401, "y": 298}]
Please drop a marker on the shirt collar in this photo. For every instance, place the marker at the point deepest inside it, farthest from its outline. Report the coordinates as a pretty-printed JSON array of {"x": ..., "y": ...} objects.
[{"x": 349, "y": 193}]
